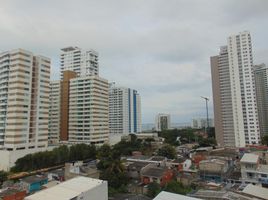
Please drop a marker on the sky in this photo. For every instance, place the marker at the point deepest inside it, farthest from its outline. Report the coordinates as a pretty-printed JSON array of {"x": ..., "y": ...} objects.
[{"x": 161, "y": 48}]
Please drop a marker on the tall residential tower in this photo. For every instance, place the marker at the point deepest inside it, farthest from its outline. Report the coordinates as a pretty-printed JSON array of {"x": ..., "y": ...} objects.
[
  {"x": 24, "y": 100},
  {"x": 235, "y": 107},
  {"x": 124, "y": 110},
  {"x": 80, "y": 61},
  {"x": 162, "y": 122},
  {"x": 261, "y": 82}
]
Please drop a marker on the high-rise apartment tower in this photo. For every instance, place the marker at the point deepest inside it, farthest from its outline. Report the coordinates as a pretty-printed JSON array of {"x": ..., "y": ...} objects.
[
  {"x": 235, "y": 106},
  {"x": 24, "y": 100},
  {"x": 261, "y": 84},
  {"x": 80, "y": 61},
  {"x": 162, "y": 122},
  {"x": 124, "y": 110}
]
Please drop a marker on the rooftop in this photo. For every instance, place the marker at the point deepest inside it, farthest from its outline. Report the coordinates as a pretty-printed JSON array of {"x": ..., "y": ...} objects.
[
  {"x": 66, "y": 49},
  {"x": 218, "y": 161},
  {"x": 263, "y": 168},
  {"x": 256, "y": 191},
  {"x": 137, "y": 165},
  {"x": 171, "y": 196},
  {"x": 158, "y": 158},
  {"x": 249, "y": 158},
  {"x": 67, "y": 190},
  {"x": 34, "y": 179},
  {"x": 154, "y": 171},
  {"x": 8, "y": 191}
]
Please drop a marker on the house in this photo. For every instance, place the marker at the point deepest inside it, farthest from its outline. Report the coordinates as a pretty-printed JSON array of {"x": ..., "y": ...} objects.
[
  {"x": 12, "y": 194},
  {"x": 252, "y": 171},
  {"x": 79, "y": 168},
  {"x": 134, "y": 169},
  {"x": 180, "y": 164},
  {"x": 213, "y": 169},
  {"x": 34, "y": 183},
  {"x": 156, "y": 173},
  {"x": 57, "y": 174}
]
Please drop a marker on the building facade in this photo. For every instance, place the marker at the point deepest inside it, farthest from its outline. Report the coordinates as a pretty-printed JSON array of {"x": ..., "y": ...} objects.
[
  {"x": 235, "y": 106},
  {"x": 54, "y": 112},
  {"x": 88, "y": 120},
  {"x": 261, "y": 84},
  {"x": 162, "y": 122},
  {"x": 24, "y": 99},
  {"x": 80, "y": 61},
  {"x": 124, "y": 110}
]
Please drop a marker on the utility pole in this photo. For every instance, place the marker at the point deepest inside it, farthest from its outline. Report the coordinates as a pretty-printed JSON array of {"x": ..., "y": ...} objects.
[{"x": 206, "y": 99}]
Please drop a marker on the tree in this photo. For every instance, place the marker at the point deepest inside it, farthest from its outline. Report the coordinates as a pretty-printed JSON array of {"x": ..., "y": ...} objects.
[
  {"x": 167, "y": 151},
  {"x": 3, "y": 177},
  {"x": 207, "y": 142},
  {"x": 176, "y": 187},
  {"x": 57, "y": 156},
  {"x": 153, "y": 189},
  {"x": 264, "y": 140}
]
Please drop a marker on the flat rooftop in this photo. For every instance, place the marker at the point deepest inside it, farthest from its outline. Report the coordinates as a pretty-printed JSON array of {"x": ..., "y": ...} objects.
[
  {"x": 256, "y": 191},
  {"x": 67, "y": 190},
  {"x": 249, "y": 158},
  {"x": 171, "y": 196}
]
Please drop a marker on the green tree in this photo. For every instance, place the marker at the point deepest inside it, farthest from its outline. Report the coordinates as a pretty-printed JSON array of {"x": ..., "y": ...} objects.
[
  {"x": 153, "y": 189},
  {"x": 3, "y": 177},
  {"x": 176, "y": 187},
  {"x": 264, "y": 140},
  {"x": 167, "y": 151},
  {"x": 207, "y": 142}
]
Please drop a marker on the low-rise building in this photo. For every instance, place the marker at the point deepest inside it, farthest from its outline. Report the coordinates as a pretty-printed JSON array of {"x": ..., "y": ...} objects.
[
  {"x": 213, "y": 169},
  {"x": 33, "y": 183},
  {"x": 252, "y": 171},
  {"x": 80, "y": 169},
  {"x": 134, "y": 169},
  {"x": 76, "y": 188},
  {"x": 12, "y": 194},
  {"x": 156, "y": 173}
]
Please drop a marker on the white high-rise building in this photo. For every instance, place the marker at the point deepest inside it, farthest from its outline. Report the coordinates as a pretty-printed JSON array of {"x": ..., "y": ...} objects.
[
  {"x": 88, "y": 110},
  {"x": 124, "y": 110},
  {"x": 234, "y": 93},
  {"x": 54, "y": 112},
  {"x": 80, "y": 61},
  {"x": 24, "y": 100},
  {"x": 162, "y": 122},
  {"x": 261, "y": 82}
]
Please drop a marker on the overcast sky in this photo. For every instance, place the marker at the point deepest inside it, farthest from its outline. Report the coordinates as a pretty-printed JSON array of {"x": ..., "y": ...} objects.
[{"x": 159, "y": 47}]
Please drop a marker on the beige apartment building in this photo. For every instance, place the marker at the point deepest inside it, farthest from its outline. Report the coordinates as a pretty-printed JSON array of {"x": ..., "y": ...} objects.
[
  {"x": 24, "y": 103},
  {"x": 54, "y": 112},
  {"x": 79, "y": 109},
  {"x": 88, "y": 110}
]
